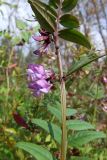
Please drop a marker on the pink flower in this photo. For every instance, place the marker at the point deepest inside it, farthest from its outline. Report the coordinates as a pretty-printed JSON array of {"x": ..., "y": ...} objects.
[
  {"x": 40, "y": 38},
  {"x": 35, "y": 72},
  {"x": 39, "y": 87},
  {"x": 45, "y": 38},
  {"x": 39, "y": 79}
]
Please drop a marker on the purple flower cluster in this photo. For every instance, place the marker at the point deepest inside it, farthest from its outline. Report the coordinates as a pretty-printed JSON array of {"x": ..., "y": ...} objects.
[
  {"x": 45, "y": 39},
  {"x": 39, "y": 79}
]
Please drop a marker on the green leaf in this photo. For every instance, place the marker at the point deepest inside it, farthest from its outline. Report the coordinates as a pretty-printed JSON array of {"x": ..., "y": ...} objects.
[
  {"x": 1, "y": 33},
  {"x": 16, "y": 40},
  {"x": 44, "y": 15},
  {"x": 68, "y": 83},
  {"x": 69, "y": 21},
  {"x": 51, "y": 128},
  {"x": 37, "y": 151},
  {"x": 47, "y": 8},
  {"x": 68, "y": 5},
  {"x": 57, "y": 113},
  {"x": 97, "y": 91},
  {"x": 78, "y": 125},
  {"x": 83, "y": 61},
  {"x": 79, "y": 158},
  {"x": 75, "y": 36},
  {"x": 20, "y": 24},
  {"x": 84, "y": 137},
  {"x": 71, "y": 112},
  {"x": 54, "y": 158},
  {"x": 25, "y": 36},
  {"x": 54, "y": 3}
]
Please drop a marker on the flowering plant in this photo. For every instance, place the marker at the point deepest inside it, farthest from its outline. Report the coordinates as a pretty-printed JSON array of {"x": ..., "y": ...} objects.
[
  {"x": 39, "y": 79},
  {"x": 57, "y": 22},
  {"x": 45, "y": 38}
]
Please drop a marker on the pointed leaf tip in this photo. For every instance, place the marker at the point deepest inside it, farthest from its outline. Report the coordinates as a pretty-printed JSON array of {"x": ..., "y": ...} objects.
[
  {"x": 75, "y": 36},
  {"x": 44, "y": 14}
]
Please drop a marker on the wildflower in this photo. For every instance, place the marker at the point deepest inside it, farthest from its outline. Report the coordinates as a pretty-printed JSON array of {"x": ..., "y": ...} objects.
[
  {"x": 45, "y": 38},
  {"x": 39, "y": 87},
  {"x": 39, "y": 79},
  {"x": 35, "y": 72}
]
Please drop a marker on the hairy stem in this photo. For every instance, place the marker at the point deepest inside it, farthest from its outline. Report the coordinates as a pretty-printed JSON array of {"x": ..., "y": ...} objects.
[{"x": 63, "y": 90}]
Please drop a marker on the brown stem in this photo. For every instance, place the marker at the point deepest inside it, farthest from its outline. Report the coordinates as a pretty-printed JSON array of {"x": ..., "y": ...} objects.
[{"x": 63, "y": 91}]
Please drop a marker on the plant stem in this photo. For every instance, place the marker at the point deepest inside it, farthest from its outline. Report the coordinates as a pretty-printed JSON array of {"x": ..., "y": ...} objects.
[
  {"x": 8, "y": 87},
  {"x": 64, "y": 130},
  {"x": 63, "y": 90}
]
